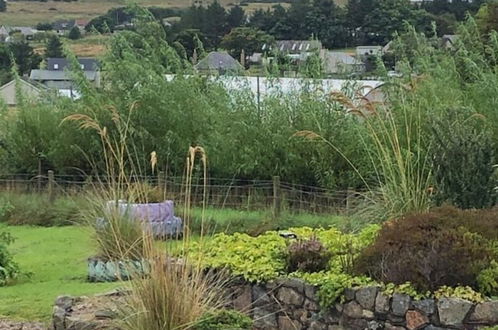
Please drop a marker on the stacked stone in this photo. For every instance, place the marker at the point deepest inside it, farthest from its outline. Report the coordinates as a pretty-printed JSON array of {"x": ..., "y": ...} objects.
[{"x": 293, "y": 304}]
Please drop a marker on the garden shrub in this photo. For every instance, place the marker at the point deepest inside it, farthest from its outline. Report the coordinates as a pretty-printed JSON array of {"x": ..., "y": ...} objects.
[
  {"x": 224, "y": 319},
  {"x": 463, "y": 159},
  {"x": 307, "y": 255},
  {"x": 488, "y": 280},
  {"x": 9, "y": 270},
  {"x": 430, "y": 250}
]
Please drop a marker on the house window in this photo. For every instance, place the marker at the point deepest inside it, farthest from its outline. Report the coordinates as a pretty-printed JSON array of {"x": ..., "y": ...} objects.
[
  {"x": 294, "y": 46},
  {"x": 82, "y": 66},
  {"x": 56, "y": 66},
  {"x": 307, "y": 46},
  {"x": 301, "y": 47}
]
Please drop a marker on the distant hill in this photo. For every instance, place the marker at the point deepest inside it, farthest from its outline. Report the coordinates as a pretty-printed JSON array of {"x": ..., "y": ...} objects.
[{"x": 29, "y": 13}]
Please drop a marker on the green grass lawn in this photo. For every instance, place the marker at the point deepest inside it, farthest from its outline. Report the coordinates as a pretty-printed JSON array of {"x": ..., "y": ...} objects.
[{"x": 56, "y": 257}]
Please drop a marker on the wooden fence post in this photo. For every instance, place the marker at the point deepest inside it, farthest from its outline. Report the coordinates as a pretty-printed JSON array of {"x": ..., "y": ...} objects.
[
  {"x": 51, "y": 181},
  {"x": 160, "y": 181},
  {"x": 277, "y": 197},
  {"x": 349, "y": 198}
]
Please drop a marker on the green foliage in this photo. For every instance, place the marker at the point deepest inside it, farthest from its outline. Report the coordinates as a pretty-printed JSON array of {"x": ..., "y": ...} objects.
[
  {"x": 406, "y": 288},
  {"x": 331, "y": 284},
  {"x": 256, "y": 259},
  {"x": 264, "y": 257},
  {"x": 54, "y": 47},
  {"x": 74, "y": 33},
  {"x": 488, "y": 280},
  {"x": 244, "y": 38},
  {"x": 9, "y": 270},
  {"x": 307, "y": 256},
  {"x": 44, "y": 26},
  {"x": 36, "y": 209},
  {"x": 3, "y": 6},
  {"x": 23, "y": 55},
  {"x": 420, "y": 248},
  {"x": 463, "y": 161},
  {"x": 224, "y": 319},
  {"x": 463, "y": 292},
  {"x": 313, "y": 66}
]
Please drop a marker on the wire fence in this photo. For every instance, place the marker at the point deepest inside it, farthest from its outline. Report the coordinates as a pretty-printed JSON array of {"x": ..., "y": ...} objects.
[{"x": 216, "y": 192}]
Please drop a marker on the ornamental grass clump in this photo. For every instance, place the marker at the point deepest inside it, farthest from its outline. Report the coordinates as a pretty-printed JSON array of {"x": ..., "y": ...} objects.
[{"x": 176, "y": 294}]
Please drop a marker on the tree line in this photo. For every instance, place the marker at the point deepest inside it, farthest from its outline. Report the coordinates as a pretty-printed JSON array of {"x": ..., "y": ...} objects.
[{"x": 360, "y": 22}]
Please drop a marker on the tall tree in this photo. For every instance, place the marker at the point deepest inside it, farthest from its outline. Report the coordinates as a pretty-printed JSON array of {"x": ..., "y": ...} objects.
[
  {"x": 389, "y": 16},
  {"x": 54, "y": 47},
  {"x": 248, "y": 39},
  {"x": 74, "y": 33},
  {"x": 187, "y": 38},
  {"x": 263, "y": 19},
  {"x": 487, "y": 17},
  {"x": 236, "y": 17},
  {"x": 215, "y": 26},
  {"x": 26, "y": 59}
]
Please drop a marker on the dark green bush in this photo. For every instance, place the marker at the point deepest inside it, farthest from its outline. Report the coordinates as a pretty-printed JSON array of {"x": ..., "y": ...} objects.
[
  {"x": 224, "y": 319},
  {"x": 9, "y": 270},
  {"x": 463, "y": 160},
  {"x": 308, "y": 256},
  {"x": 430, "y": 250}
]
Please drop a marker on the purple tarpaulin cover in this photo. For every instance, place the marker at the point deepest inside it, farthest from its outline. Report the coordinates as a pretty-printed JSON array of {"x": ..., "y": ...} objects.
[{"x": 160, "y": 216}]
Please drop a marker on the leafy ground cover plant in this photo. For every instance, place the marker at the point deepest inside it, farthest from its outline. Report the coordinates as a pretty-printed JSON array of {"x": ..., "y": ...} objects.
[
  {"x": 224, "y": 320},
  {"x": 488, "y": 279},
  {"x": 265, "y": 257}
]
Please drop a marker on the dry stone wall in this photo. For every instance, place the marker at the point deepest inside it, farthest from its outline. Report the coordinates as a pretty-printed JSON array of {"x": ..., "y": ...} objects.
[{"x": 291, "y": 304}]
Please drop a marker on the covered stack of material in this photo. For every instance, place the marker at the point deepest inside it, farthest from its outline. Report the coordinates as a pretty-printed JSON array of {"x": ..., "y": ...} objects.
[{"x": 159, "y": 218}]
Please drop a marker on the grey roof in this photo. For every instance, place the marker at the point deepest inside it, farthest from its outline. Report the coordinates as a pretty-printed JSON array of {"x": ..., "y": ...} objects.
[
  {"x": 295, "y": 46},
  {"x": 44, "y": 75},
  {"x": 219, "y": 61},
  {"x": 336, "y": 62},
  {"x": 342, "y": 57},
  {"x": 89, "y": 64},
  {"x": 63, "y": 24},
  {"x": 25, "y": 30},
  {"x": 452, "y": 38},
  {"x": 36, "y": 85}
]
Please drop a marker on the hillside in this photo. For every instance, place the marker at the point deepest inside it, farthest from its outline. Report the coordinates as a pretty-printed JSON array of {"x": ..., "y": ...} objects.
[{"x": 28, "y": 13}]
